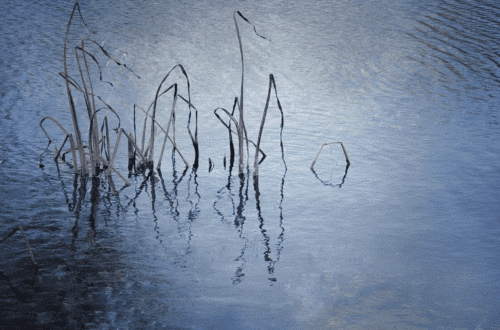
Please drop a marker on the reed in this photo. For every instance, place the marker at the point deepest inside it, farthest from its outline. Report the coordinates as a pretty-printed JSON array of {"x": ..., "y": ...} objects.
[
  {"x": 272, "y": 84},
  {"x": 240, "y": 123},
  {"x": 96, "y": 155},
  {"x": 96, "y": 152},
  {"x": 28, "y": 247},
  {"x": 329, "y": 143}
]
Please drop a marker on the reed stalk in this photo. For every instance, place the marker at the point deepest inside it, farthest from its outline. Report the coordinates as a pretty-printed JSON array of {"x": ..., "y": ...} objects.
[
  {"x": 329, "y": 143},
  {"x": 175, "y": 147},
  {"x": 241, "y": 126},
  {"x": 28, "y": 247},
  {"x": 68, "y": 135},
  {"x": 170, "y": 121},
  {"x": 232, "y": 119},
  {"x": 240, "y": 104},
  {"x": 194, "y": 139},
  {"x": 256, "y": 163},
  {"x": 79, "y": 144}
]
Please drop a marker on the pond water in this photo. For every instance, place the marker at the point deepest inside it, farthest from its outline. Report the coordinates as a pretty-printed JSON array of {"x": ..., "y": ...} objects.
[{"x": 406, "y": 237}]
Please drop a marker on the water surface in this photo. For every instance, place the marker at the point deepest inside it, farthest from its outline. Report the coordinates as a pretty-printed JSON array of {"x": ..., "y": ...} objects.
[{"x": 407, "y": 237}]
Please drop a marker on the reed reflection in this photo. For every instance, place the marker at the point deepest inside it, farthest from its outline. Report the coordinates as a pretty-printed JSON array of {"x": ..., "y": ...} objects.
[
  {"x": 281, "y": 237},
  {"x": 327, "y": 183},
  {"x": 173, "y": 198},
  {"x": 238, "y": 204}
]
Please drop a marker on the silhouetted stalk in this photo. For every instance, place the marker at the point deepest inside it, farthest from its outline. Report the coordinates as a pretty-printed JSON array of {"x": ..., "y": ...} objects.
[
  {"x": 256, "y": 163},
  {"x": 194, "y": 139},
  {"x": 175, "y": 147},
  {"x": 241, "y": 127},
  {"x": 240, "y": 104},
  {"x": 108, "y": 145},
  {"x": 328, "y": 143},
  {"x": 59, "y": 150},
  {"x": 135, "y": 145},
  {"x": 231, "y": 144},
  {"x": 79, "y": 145},
  {"x": 12, "y": 232},
  {"x": 236, "y": 123},
  {"x": 95, "y": 136},
  {"x": 170, "y": 121},
  {"x": 91, "y": 144},
  {"x": 67, "y": 134}
]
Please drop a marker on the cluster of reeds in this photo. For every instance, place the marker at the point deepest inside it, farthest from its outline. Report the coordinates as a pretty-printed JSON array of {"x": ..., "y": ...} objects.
[
  {"x": 96, "y": 156},
  {"x": 240, "y": 123}
]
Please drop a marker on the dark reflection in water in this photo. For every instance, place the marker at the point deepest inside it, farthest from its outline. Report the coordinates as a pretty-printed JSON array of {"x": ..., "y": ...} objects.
[
  {"x": 281, "y": 237},
  {"x": 238, "y": 212},
  {"x": 327, "y": 183}
]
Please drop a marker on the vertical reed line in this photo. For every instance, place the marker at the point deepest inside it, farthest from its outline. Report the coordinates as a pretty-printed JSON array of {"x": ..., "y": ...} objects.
[
  {"x": 256, "y": 163},
  {"x": 90, "y": 143},
  {"x": 79, "y": 144},
  {"x": 170, "y": 121},
  {"x": 95, "y": 136},
  {"x": 241, "y": 123}
]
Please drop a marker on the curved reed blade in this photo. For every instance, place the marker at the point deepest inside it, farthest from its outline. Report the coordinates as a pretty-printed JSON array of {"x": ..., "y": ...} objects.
[
  {"x": 12, "y": 232},
  {"x": 93, "y": 123},
  {"x": 272, "y": 84},
  {"x": 70, "y": 98},
  {"x": 111, "y": 168},
  {"x": 241, "y": 127},
  {"x": 236, "y": 123},
  {"x": 59, "y": 150},
  {"x": 176, "y": 148},
  {"x": 328, "y": 143},
  {"x": 28, "y": 246},
  {"x": 147, "y": 114},
  {"x": 71, "y": 81},
  {"x": 105, "y": 52},
  {"x": 56, "y": 122},
  {"x": 95, "y": 61},
  {"x": 193, "y": 139},
  {"x": 93, "y": 139},
  {"x": 170, "y": 121}
]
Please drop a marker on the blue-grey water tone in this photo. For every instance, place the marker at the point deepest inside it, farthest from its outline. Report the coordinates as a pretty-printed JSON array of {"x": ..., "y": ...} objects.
[{"x": 406, "y": 237}]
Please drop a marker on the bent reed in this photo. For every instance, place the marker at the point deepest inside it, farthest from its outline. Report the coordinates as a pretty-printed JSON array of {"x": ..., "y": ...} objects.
[{"x": 95, "y": 156}]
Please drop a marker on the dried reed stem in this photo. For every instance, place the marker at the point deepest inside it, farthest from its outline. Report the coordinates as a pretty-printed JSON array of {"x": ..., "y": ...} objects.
[
  {"x": 12, "y": 232},
  {"x": 79, "y": 144},
  {"x": 241, "y": 127},
  {"x": 230, "y": 135},
  {"x": 256, "y": 163},
  {"x": 68, "y": 135},
  {"x": 321, "y": 148},
  {"x": 169, "y": 138},
  {"x": 28, "y": 246},
  {"x": 194, "y": 139}
]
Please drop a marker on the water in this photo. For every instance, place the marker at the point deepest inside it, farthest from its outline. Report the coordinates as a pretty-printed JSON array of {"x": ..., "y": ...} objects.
[{"x": 407, "y": 238}]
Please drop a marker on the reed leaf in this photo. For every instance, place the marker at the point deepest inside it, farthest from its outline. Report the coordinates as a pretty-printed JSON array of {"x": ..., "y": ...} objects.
[
  {"x": 272, "y": 84},
  {"x": 241, "y": 126},
  {"x": 328, "y": 143},
  {"x": 70, "y": 98},
  {"x": 236, "y": 123},
  {"x": 194, "y": 138},
  {"x": 28, "y": 247}
]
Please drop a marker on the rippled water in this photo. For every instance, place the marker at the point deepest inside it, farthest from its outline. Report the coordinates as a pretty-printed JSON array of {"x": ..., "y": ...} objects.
[{"x": 408, "y": 236}]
